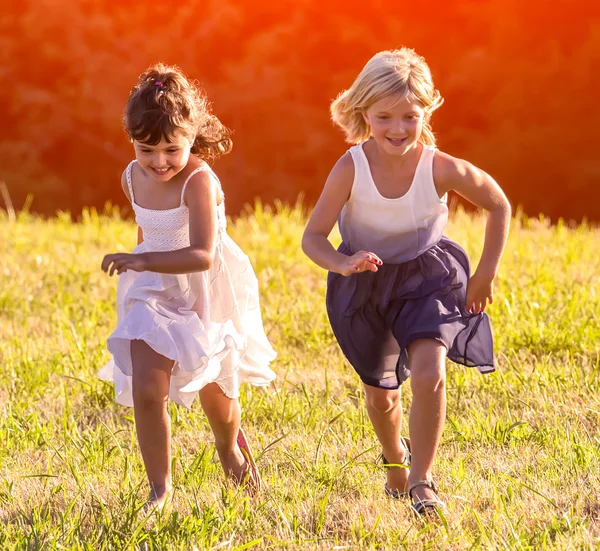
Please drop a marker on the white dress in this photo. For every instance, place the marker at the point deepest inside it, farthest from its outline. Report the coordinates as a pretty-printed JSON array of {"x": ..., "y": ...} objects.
[{"x": 208, "y": 322}]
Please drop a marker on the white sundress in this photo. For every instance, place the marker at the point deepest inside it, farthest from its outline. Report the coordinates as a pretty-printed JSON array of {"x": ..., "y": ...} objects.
[{"x": 208, "y": 322}]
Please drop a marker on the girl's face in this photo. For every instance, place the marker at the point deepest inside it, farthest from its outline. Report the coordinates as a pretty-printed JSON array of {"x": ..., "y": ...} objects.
[
  {"x": 165, "y": 159},
  {"x": 395, "y": 125}
]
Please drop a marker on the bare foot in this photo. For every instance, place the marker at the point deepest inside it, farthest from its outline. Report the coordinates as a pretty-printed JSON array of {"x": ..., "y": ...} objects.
[
  {"x": 235, "y": 465},
  {"x": 239, "y": 465},
  {"x": 159, "y": 501}
]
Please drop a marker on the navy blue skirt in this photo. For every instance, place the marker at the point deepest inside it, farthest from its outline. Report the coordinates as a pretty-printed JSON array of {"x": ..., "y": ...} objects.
[{"x": 376, "y": 315}]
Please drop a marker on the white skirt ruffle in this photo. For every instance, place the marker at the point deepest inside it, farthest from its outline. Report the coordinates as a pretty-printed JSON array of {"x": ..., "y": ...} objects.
[{"x": 209, "y": 323}]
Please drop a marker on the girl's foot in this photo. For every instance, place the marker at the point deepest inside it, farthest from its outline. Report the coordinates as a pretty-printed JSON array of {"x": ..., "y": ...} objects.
[
  {"x": 252, "y": 476},
  {"x": 159, "y": 501},
  {"x": 234, "y": 465},
  {"x": 423, "y": 494},
  {"x": 397, "y": 477},
  {"x": 239, "y": 466}
]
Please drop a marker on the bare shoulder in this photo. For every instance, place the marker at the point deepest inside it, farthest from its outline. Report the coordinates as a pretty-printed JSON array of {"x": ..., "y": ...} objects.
[
  {"x": 201, "y": 187},
  {"x": 343, "y": 170},
  {"x": 124, "y": 183},
  {"x": 469, "y": 181},
  {"x": 333, "y": 197},
  {"x": 340, "y": 179},
  {"x": 449, "y": 173},
  {"x": 447, "y": 166}
]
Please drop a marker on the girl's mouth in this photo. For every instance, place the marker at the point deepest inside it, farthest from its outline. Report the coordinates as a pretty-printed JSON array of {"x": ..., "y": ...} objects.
[
  {"x": 160, "y": 171},
  {"x": 396, "y": 141}
]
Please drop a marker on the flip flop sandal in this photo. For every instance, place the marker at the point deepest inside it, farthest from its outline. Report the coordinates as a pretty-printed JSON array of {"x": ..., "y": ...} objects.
[
  {"x": 394, "y": 492},
  {"x": 424, "y": 507},
  {"x": 252, "y": 476}
]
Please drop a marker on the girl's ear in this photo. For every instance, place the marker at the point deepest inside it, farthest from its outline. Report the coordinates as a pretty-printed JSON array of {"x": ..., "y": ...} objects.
[{"x": 365, "y": 117}]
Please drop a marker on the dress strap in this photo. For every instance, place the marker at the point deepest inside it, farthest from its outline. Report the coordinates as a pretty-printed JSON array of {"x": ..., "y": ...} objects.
[
  {"x": 129, "y": 184},
  {"x": 195, "y": 171}
]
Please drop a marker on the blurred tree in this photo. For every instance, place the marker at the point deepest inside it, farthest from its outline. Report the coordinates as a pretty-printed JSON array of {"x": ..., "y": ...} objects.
[{"x": 519, "y": 80}]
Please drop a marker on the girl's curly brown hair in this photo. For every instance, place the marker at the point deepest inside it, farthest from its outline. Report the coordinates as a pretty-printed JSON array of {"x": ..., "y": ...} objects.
[{"x": 164, "y": 102}]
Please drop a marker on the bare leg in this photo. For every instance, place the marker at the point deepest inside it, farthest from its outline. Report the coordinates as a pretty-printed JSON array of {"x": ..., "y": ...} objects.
[
  {"x": 151, "y": 381},
  {"x": 427, "y": 359},
  {"x": 385, "y": 412},
  {"x": 223, "y": 414}
]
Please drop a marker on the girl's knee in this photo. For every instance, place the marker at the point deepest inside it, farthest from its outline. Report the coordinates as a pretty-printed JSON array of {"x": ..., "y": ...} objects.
[
  {"x": 218, "y": 412},
  {"x": 427, "y": 358},
  {"x": 147, "y": 390},
  {"x": 382, "y": 400},
  {"x": 427, "y": 378}
]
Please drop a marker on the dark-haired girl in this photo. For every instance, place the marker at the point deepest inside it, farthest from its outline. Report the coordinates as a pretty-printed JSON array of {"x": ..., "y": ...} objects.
[{"x": 189, "y": 320}]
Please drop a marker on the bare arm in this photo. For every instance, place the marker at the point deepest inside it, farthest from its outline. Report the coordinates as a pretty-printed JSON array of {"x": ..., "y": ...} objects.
[
  {"x": 480, "y": 189},
  {"x": 200, "y": 196},
  {"x": 315, "y": 243}
]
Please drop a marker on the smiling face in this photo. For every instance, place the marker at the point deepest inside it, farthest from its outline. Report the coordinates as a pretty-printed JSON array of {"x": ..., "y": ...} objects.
[
  {"x": 165, "y": 159},
  {"x": 396, "y": 123}
]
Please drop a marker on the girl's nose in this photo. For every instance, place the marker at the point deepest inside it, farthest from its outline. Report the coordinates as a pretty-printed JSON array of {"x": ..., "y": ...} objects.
[{"x": 398, "y": 128}]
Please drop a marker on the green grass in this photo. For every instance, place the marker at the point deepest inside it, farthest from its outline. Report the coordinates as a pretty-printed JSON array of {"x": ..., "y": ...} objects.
[{"x": 519, "y": 462}]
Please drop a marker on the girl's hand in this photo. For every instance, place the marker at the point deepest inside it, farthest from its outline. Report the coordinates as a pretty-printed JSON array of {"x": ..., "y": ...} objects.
[
  {"x": 362, "y": 261},
  {"x": 479, "y": 293},
  {"x": 121, "y": 262}
]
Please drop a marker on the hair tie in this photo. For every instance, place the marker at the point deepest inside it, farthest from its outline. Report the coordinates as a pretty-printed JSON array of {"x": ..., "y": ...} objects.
[{"x": 158, "y": 83}]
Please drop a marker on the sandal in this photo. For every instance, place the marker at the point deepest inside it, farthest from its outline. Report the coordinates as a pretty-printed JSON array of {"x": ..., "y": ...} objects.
[
  {"x": 423, "y": 507},
  {"x": 252, "y": 478},
  {"x": 394, "y": 492}
]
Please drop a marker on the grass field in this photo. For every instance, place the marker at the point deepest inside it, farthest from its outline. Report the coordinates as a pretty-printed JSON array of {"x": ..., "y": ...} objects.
[{"x": 519, "y": 463}]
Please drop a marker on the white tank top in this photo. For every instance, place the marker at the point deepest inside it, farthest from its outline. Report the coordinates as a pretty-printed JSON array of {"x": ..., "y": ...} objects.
[{"x": 396, "y": 230}]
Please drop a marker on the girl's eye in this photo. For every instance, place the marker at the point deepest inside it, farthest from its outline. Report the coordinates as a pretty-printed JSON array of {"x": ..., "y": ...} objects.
[
  {"x": 172, "y": 151},
  {"x": 383, "y": 117}
]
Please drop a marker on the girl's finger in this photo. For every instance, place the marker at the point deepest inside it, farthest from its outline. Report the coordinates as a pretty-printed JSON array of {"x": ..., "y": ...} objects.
[
  {"x": 106, "y": 262},
  {"x": 375, "y": 259}
]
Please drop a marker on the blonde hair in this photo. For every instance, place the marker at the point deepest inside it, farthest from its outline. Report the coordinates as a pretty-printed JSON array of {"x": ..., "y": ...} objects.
[{"x": 392, "y": 72}]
